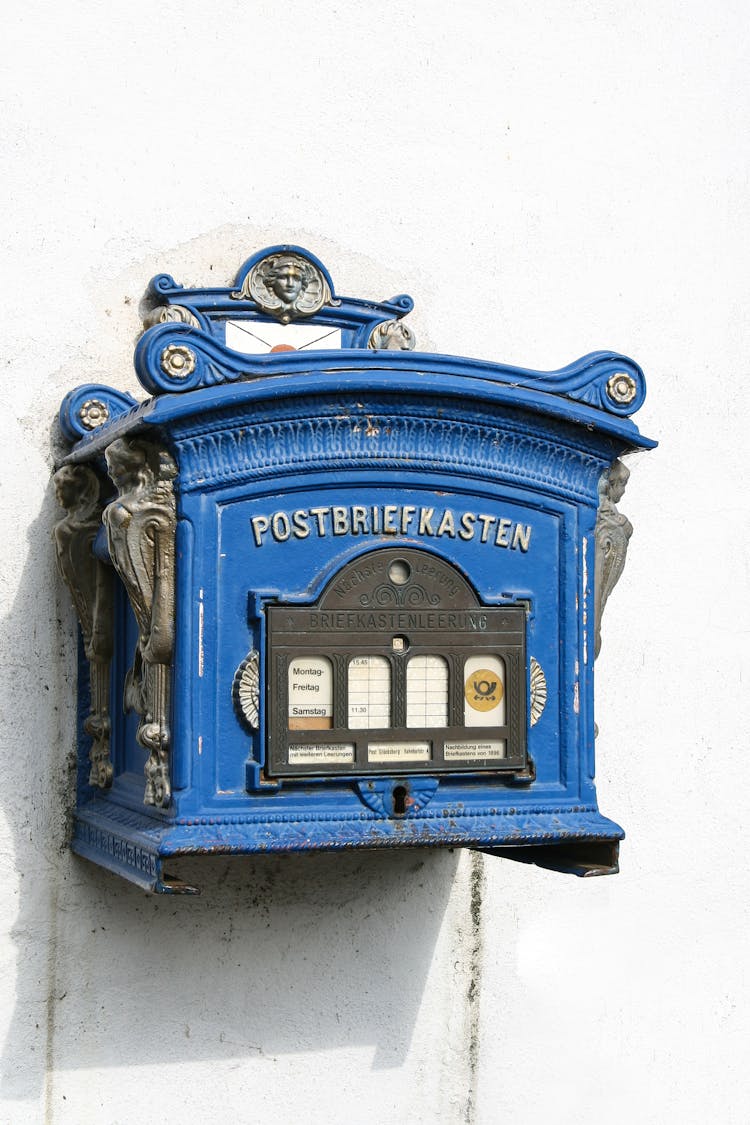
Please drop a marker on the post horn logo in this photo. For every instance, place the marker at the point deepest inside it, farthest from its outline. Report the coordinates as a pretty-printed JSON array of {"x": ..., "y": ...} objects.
[{"x": 483, "y": 690}]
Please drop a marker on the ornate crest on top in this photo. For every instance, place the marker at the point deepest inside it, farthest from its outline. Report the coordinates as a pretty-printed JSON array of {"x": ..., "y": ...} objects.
[{"x": 285, "y": 285}]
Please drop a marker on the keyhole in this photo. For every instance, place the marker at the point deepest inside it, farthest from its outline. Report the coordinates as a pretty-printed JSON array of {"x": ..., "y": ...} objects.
[{"x": 399, "y": 800}]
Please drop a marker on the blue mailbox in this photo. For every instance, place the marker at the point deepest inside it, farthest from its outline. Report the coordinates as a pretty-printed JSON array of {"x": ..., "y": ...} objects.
[{"x": 334, "y": 592}]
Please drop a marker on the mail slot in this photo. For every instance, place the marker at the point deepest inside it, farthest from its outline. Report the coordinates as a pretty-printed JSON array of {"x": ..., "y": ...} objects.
[{"x": 334, "y": 592}]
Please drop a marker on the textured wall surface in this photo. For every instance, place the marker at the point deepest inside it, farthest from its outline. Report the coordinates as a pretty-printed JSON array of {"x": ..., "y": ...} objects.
[{"x": 545, "y": 180}]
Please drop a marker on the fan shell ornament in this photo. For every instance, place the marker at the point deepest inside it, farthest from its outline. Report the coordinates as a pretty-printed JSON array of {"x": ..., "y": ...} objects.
[
  {"x": 245, "y": 689},
  {"x": 538, "y": 698}
]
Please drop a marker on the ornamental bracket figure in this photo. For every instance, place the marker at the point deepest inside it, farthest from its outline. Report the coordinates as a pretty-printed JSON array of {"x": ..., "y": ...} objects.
[
  {"x": 141, "y": 533},
  {"x": 91, "y": 586},
  {"x": 612, "y": 533}
]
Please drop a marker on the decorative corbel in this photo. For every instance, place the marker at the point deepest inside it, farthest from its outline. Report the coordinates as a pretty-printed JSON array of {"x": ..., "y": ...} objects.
[
  {"x": 612, "y": 533},
  {"x": 91, "y": 584},
  {"x": 140, "y": 526}
]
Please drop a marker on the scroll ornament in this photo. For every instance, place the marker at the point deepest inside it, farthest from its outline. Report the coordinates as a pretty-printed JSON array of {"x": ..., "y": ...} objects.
[
  {"x": 170, "y": 314},
  {"x": 392, "y": 336},
  {"x": 91, "y": 584},
  {"x": 141, "y": 526}
]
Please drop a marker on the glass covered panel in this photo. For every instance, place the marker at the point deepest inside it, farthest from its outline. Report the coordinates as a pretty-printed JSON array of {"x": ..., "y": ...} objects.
[
  {"x": 484, "y": 691},
  {"x": 369, "y": 692},
  {"x": 310, "y": 695},
  {"x": 427, "y": 692}
]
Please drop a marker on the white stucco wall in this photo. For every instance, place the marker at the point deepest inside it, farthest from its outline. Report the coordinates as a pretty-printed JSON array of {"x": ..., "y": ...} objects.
[{"x": 545, "y": 180}]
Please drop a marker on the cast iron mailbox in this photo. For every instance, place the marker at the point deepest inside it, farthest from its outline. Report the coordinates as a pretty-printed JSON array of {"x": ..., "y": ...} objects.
[{"x": 334, "y": 592}]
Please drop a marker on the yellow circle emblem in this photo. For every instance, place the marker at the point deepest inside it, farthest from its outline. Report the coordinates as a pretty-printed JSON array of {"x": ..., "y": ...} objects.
[{"x": 483, "y": 689}]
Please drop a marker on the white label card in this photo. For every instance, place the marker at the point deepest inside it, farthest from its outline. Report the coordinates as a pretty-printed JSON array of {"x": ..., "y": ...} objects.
[
  {"x": 399, "y": 752},
  {"x": 427, "y": 692},
  {"x": 321, "y": 755},
  {"x": 310, "y": 693},
  {"x": 369, "y": 692},
  {"x": 484, "y": 691},
  {"x": 474, "y": 751}
]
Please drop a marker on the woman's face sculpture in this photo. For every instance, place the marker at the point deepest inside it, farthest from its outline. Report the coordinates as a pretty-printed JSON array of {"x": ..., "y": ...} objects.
[
  {"x": 124, "y": 463},
  {"x": 618, "y": 478},
  {"x": 287, "y": 282},
  {"x": 66, "y": 487},
  {"x": 77, "y": 488}
]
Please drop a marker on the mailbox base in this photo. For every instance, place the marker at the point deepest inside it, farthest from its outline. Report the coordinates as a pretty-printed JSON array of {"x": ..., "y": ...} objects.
[
  {"x": 574, "y": 839},
  {"x": 579, "y": 857}
]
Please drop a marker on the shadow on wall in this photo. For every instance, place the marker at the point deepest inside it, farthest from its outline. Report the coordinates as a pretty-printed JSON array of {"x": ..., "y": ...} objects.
[{"x": 280, "y": 954}]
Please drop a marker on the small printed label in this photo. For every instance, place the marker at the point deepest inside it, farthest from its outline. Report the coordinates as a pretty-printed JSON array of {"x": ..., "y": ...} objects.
[
  {"x": 321, "y": 755},
  {"x": 399, "y": 752},
  {"x": 473, "y": 751}
]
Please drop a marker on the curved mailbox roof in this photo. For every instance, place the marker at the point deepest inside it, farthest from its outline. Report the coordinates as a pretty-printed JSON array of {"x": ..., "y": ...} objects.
[{"x": 184, "y": 361}]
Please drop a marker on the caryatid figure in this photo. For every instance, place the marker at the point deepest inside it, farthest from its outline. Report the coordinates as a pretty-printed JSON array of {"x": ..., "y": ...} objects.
[{"x": 91, "y": 584}]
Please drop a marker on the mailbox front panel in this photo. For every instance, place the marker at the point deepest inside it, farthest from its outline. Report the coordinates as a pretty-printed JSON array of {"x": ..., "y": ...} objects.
[{"x": 481, "y": 603}]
